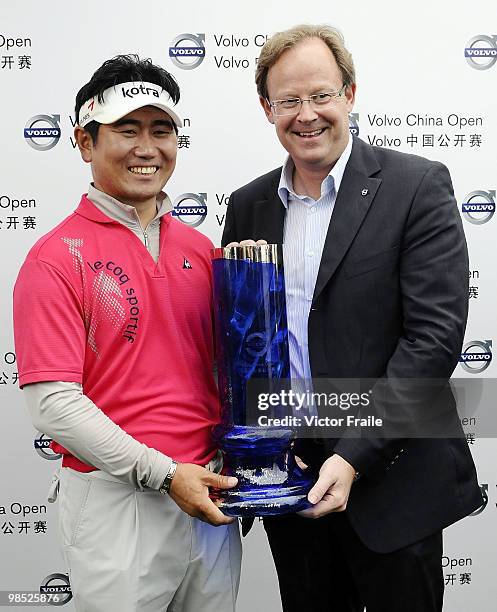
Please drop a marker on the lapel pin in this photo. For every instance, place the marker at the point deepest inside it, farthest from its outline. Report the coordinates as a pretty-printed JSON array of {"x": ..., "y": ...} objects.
[{"x": 365, "y": 192}]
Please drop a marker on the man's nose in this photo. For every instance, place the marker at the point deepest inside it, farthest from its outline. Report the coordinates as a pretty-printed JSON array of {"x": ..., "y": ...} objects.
[
  {"x": 145, "y": 146},
  {"x": 307, "y": 111}
]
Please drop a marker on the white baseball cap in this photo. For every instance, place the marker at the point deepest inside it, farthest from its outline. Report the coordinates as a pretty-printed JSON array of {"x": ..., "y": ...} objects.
[{"x": 121, "y": 99}]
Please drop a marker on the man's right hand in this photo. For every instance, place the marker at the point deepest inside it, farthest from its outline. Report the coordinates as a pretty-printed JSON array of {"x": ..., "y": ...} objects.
[{"x": 190, "y": 490}]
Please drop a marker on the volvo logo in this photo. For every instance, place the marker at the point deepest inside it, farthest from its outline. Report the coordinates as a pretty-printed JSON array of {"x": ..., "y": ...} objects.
[
  {"x": 42, "y": 447},
  {"x": 484, "y": 495},
  {"x": 479, "y": 206},
  {"x": 257, "y": 344},
  {"x": 187, "y": 51},
  {"x": 42, "y": 132},
  {"x": 354, "y": 124},
  {"x": 476, "y": 356},
  {"x": 481, "y": 52},
  {"x": 191, "y": 208},
  {"x": 57, "y": 584}
]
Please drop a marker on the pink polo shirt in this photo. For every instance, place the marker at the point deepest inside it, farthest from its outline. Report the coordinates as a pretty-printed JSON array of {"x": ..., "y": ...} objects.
[{"x": 92, "y": 306}]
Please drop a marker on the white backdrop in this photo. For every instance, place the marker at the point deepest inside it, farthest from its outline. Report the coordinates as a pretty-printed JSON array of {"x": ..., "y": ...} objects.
[{"x": 417, "y": 92}]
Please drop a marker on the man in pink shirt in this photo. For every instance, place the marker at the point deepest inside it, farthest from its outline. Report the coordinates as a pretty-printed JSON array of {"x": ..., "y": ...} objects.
[{"x": 114, "y": 338}]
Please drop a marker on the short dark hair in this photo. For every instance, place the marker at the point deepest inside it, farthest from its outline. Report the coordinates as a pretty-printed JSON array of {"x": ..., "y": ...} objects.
[{"x": 123, "y": 69}]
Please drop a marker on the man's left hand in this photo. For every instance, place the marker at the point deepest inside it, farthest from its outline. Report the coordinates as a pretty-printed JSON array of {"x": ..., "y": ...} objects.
[{"x": 331, "y": 491}]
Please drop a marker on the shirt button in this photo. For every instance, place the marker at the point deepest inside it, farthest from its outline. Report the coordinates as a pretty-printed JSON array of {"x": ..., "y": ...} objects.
[{"x": 310, "y": 253}]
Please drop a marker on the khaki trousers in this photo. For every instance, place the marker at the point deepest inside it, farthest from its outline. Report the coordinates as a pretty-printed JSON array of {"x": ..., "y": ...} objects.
[{"x": 135, "y": 551}]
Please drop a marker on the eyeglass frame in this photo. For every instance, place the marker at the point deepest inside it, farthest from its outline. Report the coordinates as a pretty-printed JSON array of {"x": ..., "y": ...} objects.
[{"x": 311, "y": 99}]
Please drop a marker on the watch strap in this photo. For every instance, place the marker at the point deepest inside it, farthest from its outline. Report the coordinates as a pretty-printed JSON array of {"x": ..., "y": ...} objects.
[{"x": 166, "y": 483}]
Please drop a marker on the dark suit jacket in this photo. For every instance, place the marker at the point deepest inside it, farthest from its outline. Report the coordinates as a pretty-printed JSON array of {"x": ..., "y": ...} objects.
[{"x": 390, "y": 300}]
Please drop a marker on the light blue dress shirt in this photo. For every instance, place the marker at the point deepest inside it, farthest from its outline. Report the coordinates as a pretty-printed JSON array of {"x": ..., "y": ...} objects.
[{"x": 304, "y": 234}]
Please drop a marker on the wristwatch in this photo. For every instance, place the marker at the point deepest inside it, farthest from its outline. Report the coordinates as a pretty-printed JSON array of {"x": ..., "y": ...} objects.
[{"x": 166, "y": 483}]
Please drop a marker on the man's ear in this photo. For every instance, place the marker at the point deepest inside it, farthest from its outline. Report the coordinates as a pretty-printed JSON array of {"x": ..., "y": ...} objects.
[
  {"x": 84, "y": 142},
  {"x": 267, "y": 109},
  {"x": 350, "y": 97}
]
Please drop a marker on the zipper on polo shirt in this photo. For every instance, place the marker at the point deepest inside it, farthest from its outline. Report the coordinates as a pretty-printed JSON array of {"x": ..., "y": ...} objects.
[{"x": 145, "y": 237}]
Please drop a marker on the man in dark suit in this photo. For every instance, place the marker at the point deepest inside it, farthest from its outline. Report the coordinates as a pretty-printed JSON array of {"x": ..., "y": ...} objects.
[{"x": 376, "y": 274}]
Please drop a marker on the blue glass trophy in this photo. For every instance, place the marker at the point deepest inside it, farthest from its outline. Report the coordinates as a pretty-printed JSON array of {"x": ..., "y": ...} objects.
[{"x": 252, "y": 345}]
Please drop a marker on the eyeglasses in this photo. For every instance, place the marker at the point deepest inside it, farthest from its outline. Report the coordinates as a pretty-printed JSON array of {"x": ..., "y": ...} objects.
[{"x": 292, "y": 106}]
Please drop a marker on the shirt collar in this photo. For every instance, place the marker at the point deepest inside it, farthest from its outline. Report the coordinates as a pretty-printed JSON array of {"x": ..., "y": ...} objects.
[
  {"x": 285, "y": 187},
  {"x": 123, "y": 213}
]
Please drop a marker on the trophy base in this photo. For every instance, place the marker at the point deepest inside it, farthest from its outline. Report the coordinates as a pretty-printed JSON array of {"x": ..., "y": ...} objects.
[
  {"x": 265, "y": 501},
  {"x": 269, "y": 480}
]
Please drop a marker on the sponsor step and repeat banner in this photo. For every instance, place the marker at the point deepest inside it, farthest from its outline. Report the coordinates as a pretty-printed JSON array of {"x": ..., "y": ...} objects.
[{"x": 426, "y": 85}]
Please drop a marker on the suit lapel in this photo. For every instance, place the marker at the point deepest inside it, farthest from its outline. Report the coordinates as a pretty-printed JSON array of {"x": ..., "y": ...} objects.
[
  {"x": 269, "y": 213},
  {"x": 356, "y": 193}
]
